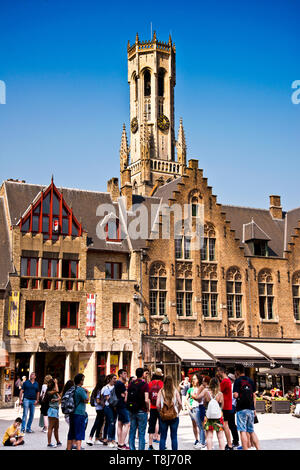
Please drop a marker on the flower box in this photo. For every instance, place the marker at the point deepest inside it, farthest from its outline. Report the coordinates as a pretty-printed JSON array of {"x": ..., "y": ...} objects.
[
  {"x": 280, "y": 406},
  {"x": 260, "y": 406}
]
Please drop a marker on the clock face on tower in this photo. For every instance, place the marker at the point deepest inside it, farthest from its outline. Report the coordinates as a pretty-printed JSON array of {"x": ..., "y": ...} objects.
[
  {"x": 163, "y": 122},
  {"x": 134, "y": 125}
]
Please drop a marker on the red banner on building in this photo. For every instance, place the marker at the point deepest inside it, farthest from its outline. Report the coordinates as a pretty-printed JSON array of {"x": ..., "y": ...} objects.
[{"x": 90, "y": 315}]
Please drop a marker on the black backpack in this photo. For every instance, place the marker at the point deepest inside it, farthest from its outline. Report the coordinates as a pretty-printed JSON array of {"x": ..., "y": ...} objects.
[
  {"x": 135, "y": 399},
  {"x": 245, "y": 399}
]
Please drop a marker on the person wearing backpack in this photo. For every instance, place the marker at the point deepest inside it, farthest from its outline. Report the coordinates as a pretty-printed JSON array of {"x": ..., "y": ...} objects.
[
  {"x": 214, "y": 400},
  {"x": 95, "y": 401},
  {"x": 244, "y": 391},
  {"x": 122, "y": 412},
  {"x": 138, "y": 406},
  {"x": 110, "y": 412},
  {"x": 78, "y": 397},
  {"x": 154, "y": 387},
  {"x": 169, "y": 405}
]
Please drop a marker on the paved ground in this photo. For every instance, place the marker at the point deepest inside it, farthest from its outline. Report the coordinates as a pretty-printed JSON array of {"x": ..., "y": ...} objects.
[{"x": 275, "y": 432}]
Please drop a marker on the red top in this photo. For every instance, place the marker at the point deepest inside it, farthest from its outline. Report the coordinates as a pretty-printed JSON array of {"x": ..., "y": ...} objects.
[
  {"x": 160, "y": 385},
  {"x": 226, "y": 389}
]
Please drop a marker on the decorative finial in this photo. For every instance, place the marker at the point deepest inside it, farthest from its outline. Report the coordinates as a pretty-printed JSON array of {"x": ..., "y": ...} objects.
[
  {"x": 137, "y": 38},
  {"x": 170, "y": 39},
  {"x": 154, "y": 36},
  {"x": 128, "y": 45}
]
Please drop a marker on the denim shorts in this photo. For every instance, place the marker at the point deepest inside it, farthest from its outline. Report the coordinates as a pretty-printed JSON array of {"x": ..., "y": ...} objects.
[
  {"x": 123, "y": 415},
  {"x": 245, "y": 421},
  {"x": 53, "y": 413}
]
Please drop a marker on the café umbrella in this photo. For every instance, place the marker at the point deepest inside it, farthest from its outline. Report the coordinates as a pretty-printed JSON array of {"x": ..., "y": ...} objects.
[{"x": 282, "y": 371}]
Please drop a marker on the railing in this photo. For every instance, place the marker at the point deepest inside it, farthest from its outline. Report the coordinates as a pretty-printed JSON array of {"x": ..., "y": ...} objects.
[{"x": 51, "y": 283}]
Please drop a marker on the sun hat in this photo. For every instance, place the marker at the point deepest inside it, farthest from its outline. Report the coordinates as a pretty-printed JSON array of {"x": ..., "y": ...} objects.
[{"x": 158, "y": 372}]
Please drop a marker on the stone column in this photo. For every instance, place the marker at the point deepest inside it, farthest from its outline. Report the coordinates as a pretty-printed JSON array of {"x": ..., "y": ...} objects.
[
  {"x": 121, "y": 360},
  {"x": 108, "y": 363},
  {"x": 32, "y": 364},
  {"x": 67, "y": 367}
]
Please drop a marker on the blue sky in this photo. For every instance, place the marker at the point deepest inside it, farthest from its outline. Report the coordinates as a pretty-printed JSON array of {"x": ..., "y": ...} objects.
[{"x": 65, "y": 67}]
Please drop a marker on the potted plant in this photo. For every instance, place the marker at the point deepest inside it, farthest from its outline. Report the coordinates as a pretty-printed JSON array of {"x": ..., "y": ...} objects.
[
  {"x": 280, "y": 405},
  {"x": 260, "y": 405}
]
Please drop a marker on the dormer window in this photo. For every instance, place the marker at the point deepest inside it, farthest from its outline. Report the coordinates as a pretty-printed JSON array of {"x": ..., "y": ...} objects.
[
  {"x": 51, "y": 216},
  {"x": 113, "y": 231},
  {"x": 256, "y": 239}
]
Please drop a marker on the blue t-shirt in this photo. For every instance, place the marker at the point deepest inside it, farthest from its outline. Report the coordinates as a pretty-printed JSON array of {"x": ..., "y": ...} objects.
[
  {"x": 30, "y": 390},
  {"x": 80, "y": 397}
]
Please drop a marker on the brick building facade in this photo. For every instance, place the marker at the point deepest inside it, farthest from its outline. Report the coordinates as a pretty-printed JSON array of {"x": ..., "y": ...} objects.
[{"x": 90, "y": 282}]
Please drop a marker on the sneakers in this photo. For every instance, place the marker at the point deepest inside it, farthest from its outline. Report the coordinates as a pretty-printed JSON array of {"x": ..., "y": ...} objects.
[
  {"x": 44, "y": 429},
  {"x": 228, "y": 448},
  {"x": 30, "y": 431},
  {"x": 59, "y": 444},
  {"x": 123, "y": 447},
  {"x": 89, "y": 442},
  {"x": 111, "y": 444},
  {"x": 150, "y": 447},
  {"x": 52, "y": 445},
  {"x": 97, "y": 442},
  {"x": 196, "y": 443}
]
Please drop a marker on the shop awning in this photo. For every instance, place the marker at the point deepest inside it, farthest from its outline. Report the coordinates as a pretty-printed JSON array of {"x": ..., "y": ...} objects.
[
  {"x": 233, "y": 351},
  {"x": 189, "y": 352},
  {"x": 279, "y": 351}
]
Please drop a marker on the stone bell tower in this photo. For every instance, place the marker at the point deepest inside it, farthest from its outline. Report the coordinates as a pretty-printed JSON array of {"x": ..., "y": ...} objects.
[{"x": 151, "y": 78}]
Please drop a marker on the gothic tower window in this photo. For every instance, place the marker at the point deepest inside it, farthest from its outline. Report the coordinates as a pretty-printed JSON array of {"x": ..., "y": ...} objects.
[
  {"x": 296, "y": 295},
  {"x": 183, "y": 247},
  {"x": 158, "y": 289},
  {"x": 266, "y": 294},
  {"x": 147, "y": 83},
  {"x": 234, "y": 293},
  {"x": 161, "y": 82}
]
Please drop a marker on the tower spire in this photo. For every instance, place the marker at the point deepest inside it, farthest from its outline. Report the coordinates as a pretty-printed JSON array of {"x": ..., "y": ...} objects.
[
  {"x": 124, "y": 150},
  {"x": 181, "y": 146}
]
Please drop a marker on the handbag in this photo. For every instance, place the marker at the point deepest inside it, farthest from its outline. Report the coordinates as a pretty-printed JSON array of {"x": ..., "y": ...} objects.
[{"x": 255, "y": 419}]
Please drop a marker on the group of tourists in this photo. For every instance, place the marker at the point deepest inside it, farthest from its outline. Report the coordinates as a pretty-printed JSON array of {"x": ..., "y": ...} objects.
[{"x": 124, "y": 406}]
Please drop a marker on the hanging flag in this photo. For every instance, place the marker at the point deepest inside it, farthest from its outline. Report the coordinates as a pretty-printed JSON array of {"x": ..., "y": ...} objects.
[
  {"x": 55, "y": 225},
  {"x": 90, "y": 315},
  {"x": 13, "y": 314}
]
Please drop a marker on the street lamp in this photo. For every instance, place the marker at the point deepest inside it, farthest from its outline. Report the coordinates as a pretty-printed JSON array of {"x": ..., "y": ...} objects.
[
  {"x": 143, "y": 324},
  {"x": 165, "y": 324}
]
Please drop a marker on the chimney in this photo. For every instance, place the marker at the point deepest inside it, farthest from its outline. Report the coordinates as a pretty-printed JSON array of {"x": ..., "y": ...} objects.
[
  {"x": 275, "y": 207},
  {"x": 113, "y": 189},
  {"x": 126, "y": 187}
]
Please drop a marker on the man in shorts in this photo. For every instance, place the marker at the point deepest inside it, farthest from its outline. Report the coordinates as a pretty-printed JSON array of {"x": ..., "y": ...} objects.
[
  {"x": 78, "y": 417},
  {"x": 244, "y": 391},
  {"x": 122, "y": 412}
]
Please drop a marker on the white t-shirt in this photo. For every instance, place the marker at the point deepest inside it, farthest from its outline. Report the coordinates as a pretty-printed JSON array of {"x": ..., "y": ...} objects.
[
  {"x": 106, "y": 391},
  {"x": 44, "y": 390}
]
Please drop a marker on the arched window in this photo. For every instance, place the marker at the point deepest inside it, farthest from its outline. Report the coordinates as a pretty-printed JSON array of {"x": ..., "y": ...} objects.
[
  {"x": 209, "y": 243},
  {"x": 234, "y": 293},
  {"x": 158, "y": 289},
  {"x": 147, "y": 83},
  {"x": 266, "y": 295},
  {"x": 161, "y": 82},
  {"x": 135, "y": 188},
  {"x": 136, "y": 92},
  {"x": 296, "y": 295},
  {"x": 209, "y": 287},
  {"x": 184, "y": 290}
]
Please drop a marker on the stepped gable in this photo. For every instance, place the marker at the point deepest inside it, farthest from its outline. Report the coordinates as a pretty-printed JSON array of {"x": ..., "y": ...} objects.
[
  {"x": 273, "y": 228},
  {"x": 6, "y": 265},
  {"x": 291, "y": 223}
]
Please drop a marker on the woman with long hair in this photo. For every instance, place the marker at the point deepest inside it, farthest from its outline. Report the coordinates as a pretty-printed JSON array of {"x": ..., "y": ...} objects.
[
  {"x": 169, "y": 405},
  {"x": 193, "y": 406},
  {"x": 53, "y": 412},
  {"x": 200, "y": 411},
  {"x": 96, "y": 396},
  {"x": 109, "y": 412},
  {"x": 214, "y": 418},
  {"x": 44, "y": 405}
]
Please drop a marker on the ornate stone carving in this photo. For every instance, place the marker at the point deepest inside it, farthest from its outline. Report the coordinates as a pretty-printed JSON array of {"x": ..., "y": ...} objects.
[
  {"x": 184, "y": 269},
  {"x": 209, "y": 271}
]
